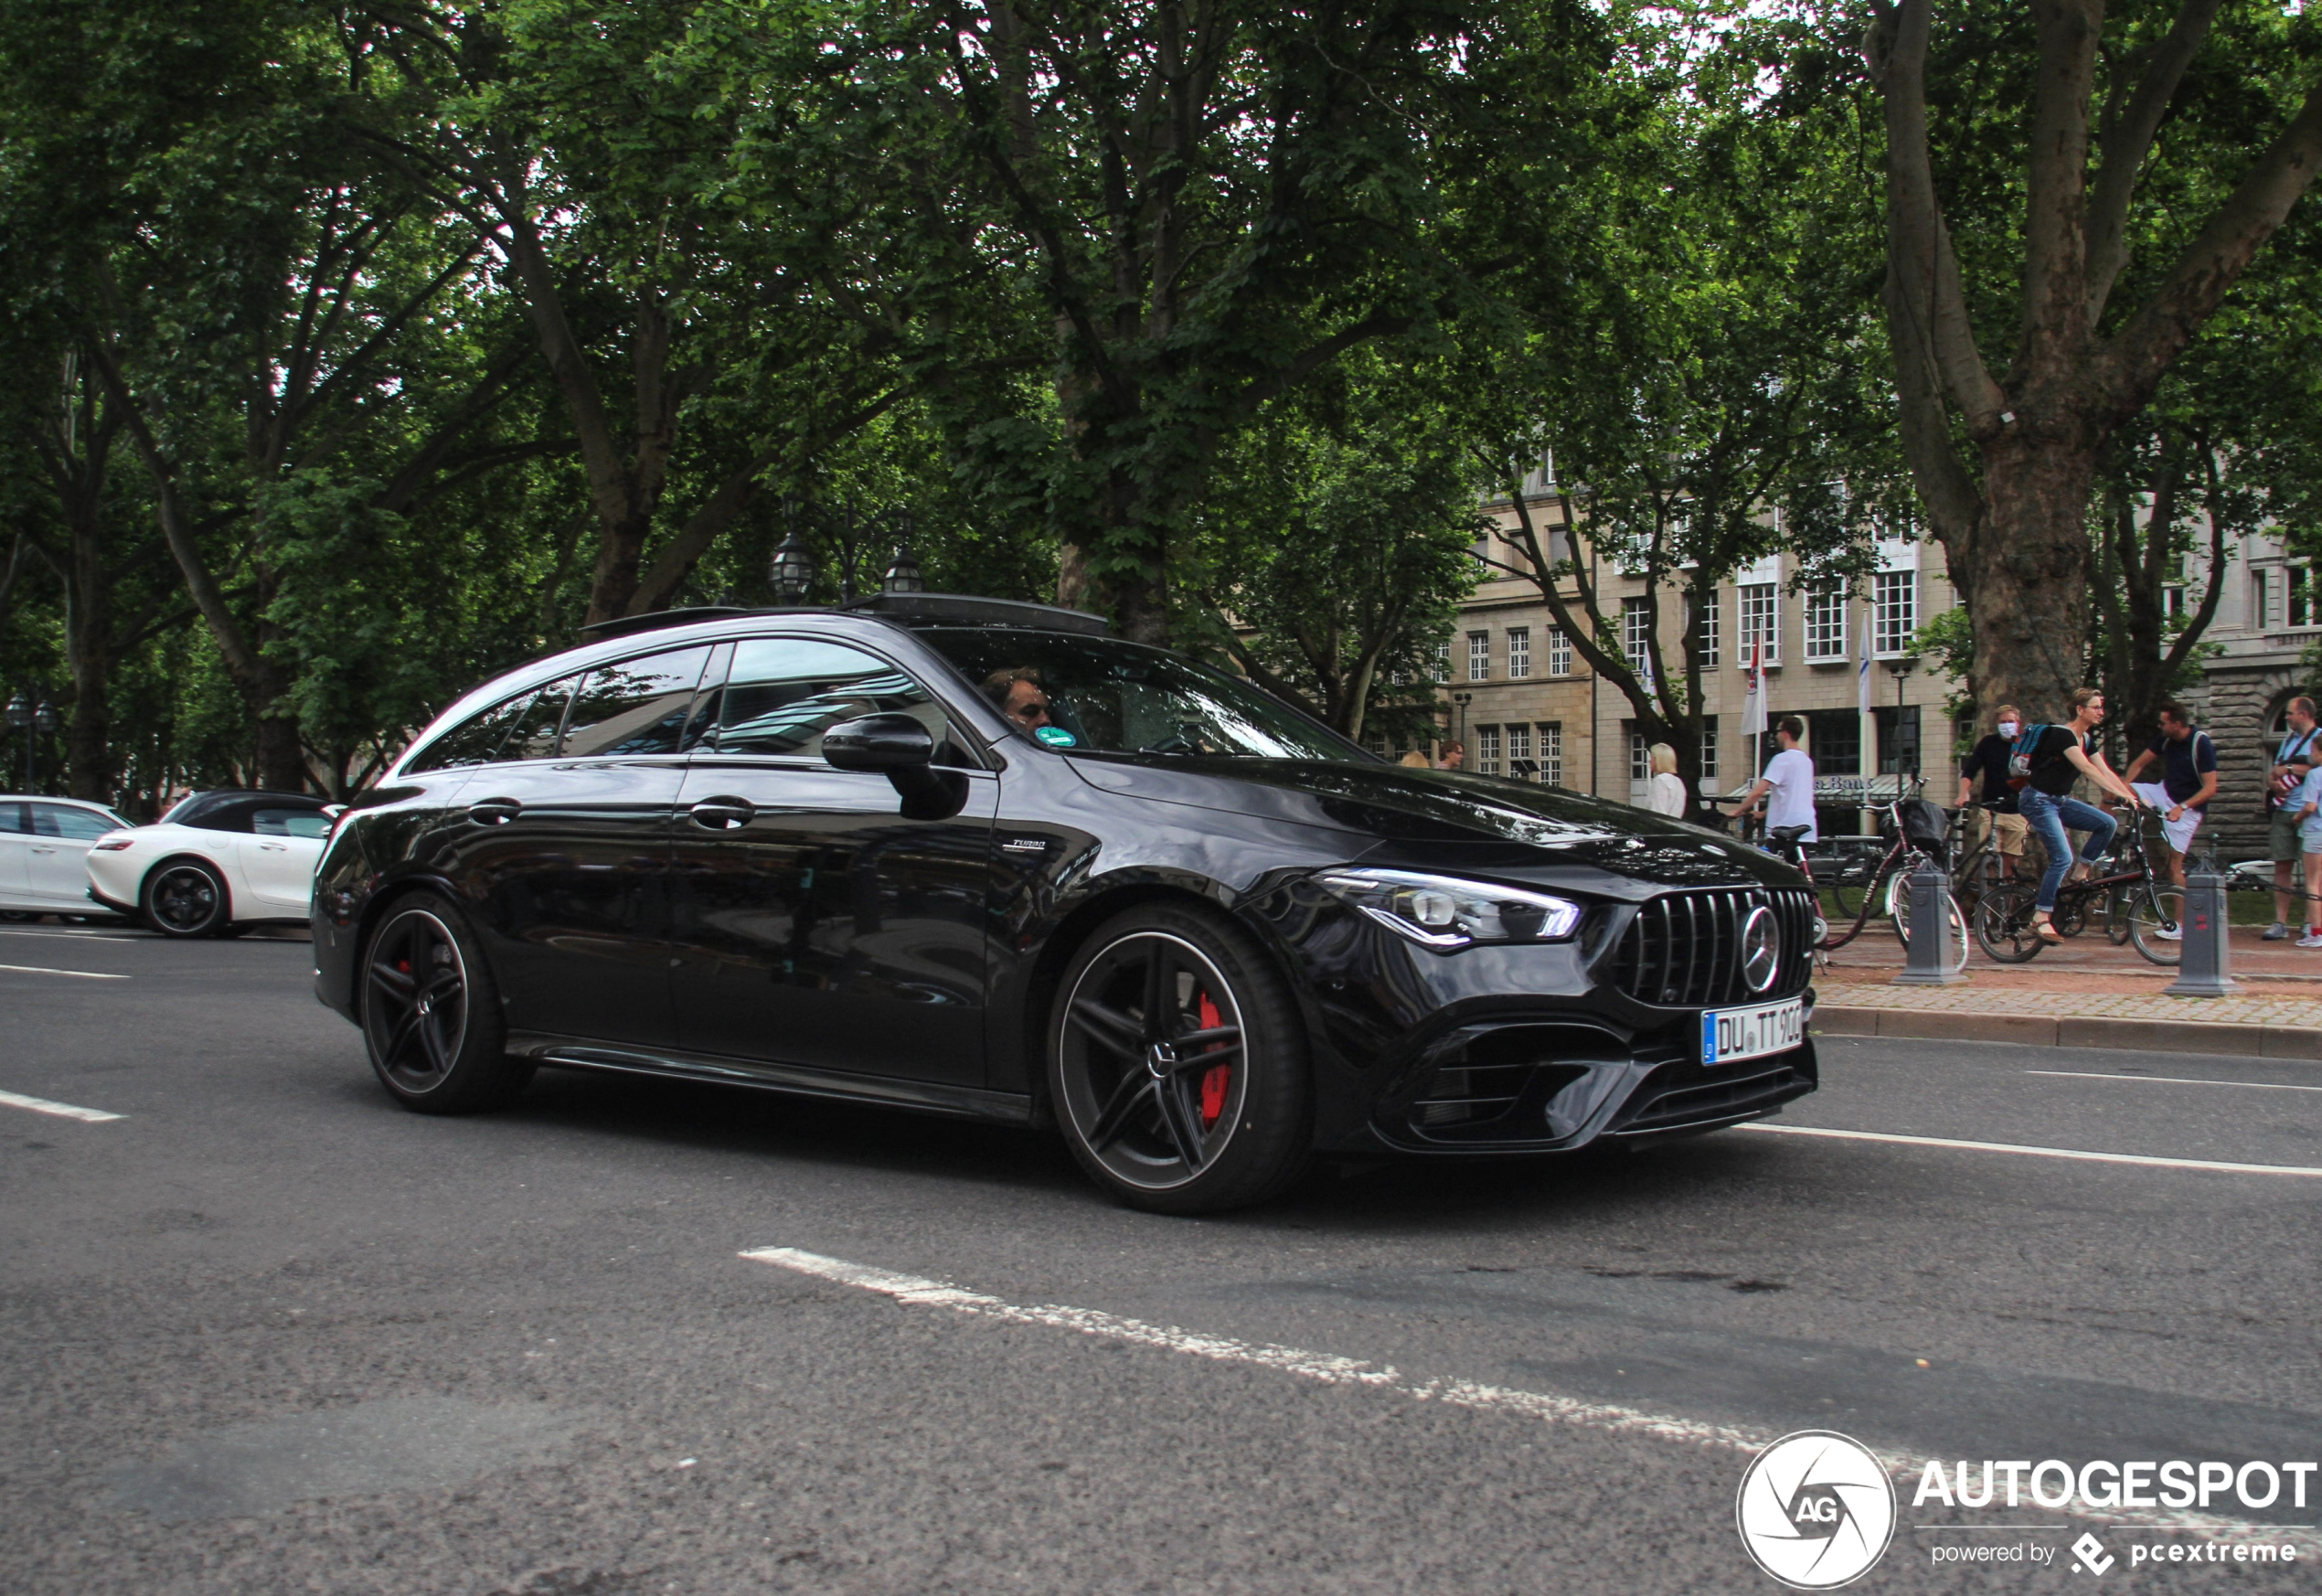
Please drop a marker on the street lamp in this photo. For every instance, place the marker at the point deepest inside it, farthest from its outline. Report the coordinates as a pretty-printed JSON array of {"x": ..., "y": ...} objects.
[
  {"x": 1903, "y": 667},
  {"x": 792, "y": 571},
  {"x": 1463, "y": 700},
  {"x": 34, "y": 718}
]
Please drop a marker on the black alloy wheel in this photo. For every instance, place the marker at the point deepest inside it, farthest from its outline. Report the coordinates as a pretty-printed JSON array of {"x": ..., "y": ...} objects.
[
  {"x": 187, "y": 897},
  {"x": 430, "y": 1014},
  {"x": 1176, "y": 1064}
]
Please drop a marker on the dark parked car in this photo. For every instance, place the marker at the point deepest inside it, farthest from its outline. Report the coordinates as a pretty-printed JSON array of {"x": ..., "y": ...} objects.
[{"x": 984, "y": 858}]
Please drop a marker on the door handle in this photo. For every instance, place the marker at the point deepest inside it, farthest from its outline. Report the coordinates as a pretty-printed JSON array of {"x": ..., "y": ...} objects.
[
  {"x": 723, "y": 814},
  {"x": 44, "y": 850},
  {"x": 494, "y": 811},
  {"x": 274, "y": 847}
]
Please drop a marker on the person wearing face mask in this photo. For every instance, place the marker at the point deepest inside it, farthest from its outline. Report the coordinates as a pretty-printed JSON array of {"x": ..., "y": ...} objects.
[{"x": 1990, "y": 760}]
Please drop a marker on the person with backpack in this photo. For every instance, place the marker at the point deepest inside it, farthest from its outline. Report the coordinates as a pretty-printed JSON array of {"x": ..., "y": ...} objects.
[
  {"x": 2188, "y": 781},
  {"x": 2293, "y": 763},
  {"x": 2046, "y": 760}
]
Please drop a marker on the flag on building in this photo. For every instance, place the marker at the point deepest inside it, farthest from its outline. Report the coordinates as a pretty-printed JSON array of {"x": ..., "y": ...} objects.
[
  {"x": 1862, "y": 680},
  {"x": 1753, "y": 695}
]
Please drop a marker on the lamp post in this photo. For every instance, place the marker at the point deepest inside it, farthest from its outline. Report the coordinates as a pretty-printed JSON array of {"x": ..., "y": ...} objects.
[
  {"x": 1463, "y": 700},
  {"x": 33, "y": 718},
  {"x": 1903, "y": 667},
  {"x": 845, "y": 535}
]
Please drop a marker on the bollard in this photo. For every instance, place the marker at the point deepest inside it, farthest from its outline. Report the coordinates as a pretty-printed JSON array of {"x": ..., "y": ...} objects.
[
  {"x": 2204, "y": 968},
  {"x": 1929, "y": 962}
]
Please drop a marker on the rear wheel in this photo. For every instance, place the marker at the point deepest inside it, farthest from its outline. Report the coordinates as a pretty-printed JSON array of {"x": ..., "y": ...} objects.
[
  {"x": 1177, "y": 1065},
  {"x": 431, "y": 1013},
  {"x": 187, "y": 897},
  {"x": 2004, "y": 927}
]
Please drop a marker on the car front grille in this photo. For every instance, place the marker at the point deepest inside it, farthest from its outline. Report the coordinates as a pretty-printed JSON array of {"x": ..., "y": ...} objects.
[{"x": 1683, "y": 949}]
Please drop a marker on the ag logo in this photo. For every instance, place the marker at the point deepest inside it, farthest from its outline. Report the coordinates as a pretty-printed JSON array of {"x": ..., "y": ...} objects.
[{"x": 1815, "y": 1510}]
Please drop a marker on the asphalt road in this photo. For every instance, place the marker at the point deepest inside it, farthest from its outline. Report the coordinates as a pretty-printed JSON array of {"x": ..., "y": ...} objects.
[{"x": 266, "y": 1332}]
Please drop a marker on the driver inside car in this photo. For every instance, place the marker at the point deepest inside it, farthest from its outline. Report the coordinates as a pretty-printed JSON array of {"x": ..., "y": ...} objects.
[{"x": 1021, "y": 698}]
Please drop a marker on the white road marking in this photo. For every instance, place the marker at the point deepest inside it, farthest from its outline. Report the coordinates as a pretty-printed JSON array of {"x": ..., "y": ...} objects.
[
  {"x": 63, "y": 1111},
  {"x": 2175, "y": 1080},
  {"x": 82, "y": 936},
  {"x": 2150, "y": 1160},
  {"x": 919, "y": 1292},
  {"x": 44, "y": 970}
]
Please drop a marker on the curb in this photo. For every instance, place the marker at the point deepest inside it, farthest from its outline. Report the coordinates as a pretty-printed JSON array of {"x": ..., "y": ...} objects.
[{"x": 2157, "y": 1035}]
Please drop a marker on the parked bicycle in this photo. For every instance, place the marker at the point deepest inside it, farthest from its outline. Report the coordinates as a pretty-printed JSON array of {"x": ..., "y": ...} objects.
[
  {"x": 2137, "y": 904},
  {"x": 1914, "y": 832}
]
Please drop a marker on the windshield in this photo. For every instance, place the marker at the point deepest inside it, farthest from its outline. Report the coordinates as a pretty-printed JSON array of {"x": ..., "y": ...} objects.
[{"x": 1101, "y": 695}]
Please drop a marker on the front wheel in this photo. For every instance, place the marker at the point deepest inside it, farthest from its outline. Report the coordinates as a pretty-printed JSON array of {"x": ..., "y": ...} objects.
[
  {"x": 431, "y": 1013},
  {"x": 2156, "y": 923},
  {"x": 1177, "y": 1065},
  {"x": 2004, "y": 927}
]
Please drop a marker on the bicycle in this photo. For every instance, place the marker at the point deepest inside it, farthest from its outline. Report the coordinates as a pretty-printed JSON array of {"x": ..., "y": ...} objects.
[
  {"x": 2144, "y": 909},
  {"x": 1906, "y": 851}
]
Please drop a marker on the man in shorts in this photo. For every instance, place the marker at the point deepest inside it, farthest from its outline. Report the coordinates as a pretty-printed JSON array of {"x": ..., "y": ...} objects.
[
  {"x": 2188, "y": 781},
  {"x": 2293, "y": 761}
]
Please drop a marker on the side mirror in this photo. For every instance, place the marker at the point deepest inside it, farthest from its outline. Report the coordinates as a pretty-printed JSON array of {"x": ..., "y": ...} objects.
[
  {"x": 903, "y": 748},
  {"x": 879, "y": 742}
]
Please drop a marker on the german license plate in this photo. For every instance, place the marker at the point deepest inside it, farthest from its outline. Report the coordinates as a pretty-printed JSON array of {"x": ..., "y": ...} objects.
[{"x": 1731, "y": 1034}]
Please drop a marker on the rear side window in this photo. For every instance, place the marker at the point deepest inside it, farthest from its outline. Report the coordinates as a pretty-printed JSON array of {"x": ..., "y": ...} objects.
[
  {"x": 62, "y": 820},
  {"x": 522, "y": 727},
  {"x": 783, "y": 693},
  {"x": 637, "y": 707},
  {"x": 290, "y": 823}
]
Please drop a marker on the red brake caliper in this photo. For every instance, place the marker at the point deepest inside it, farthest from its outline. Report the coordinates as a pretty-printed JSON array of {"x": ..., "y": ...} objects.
[{"x": 1214, "y": 1079}]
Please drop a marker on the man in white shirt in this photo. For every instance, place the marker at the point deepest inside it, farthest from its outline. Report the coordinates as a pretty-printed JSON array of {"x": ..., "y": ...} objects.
[{"x": 1788, "y": 783}]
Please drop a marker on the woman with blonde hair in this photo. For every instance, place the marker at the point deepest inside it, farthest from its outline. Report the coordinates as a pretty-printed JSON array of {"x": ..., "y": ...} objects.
[
  {"x": 1665, "y": 794},
  {"x": 1417, "y": 760}
]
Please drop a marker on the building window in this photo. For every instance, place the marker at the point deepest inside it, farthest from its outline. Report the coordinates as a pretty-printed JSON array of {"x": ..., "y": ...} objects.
[
  {"x": 1834, "y": 736},
  {"x": 1488, "y": 749},
  {"x": 1443, "y": 661},
  {"x": 1636, "y": 630},
  {"x": 1551, "y": 746},
  {"x": 1479, "y": 656},
  {"x": 1519, "y": 652},
  {"x": 1709, "y": 747},
  {"x": 1520, "y": 753},
  {"x": 1895, "y": 614},
  {"x": 1826, "y": 621},
  {"x": 2299, "y": 596},
  {"x": 2173, "y": 603},
  {"x": 1640, "y": 757},
  {"x": 1760, "y": 607},
  {"x": 1898, "y": 726},
  {"x": 1560, "y": 653},
  {"x": 1708, "y": 617},
  {"x": 1376, "y": 742}
]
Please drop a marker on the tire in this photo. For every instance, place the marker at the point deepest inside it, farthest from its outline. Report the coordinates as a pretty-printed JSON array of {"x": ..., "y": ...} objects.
[
  {"x": 2149, "y": 910},
  {"x": 2117, "y": 917},
  {"x": 1155, "y": 994},
  {"x": 186, "y": 899},
  {"x": 431, "y": 1012},
  {"x": 2004, "y": 928},
  {"x": 1899, "y": 917}
]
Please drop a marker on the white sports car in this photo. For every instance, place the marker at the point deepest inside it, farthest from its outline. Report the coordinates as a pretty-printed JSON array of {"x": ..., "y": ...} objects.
[
  {"x": 216, "y": 863},
  {"x": 42, "y": 842}
]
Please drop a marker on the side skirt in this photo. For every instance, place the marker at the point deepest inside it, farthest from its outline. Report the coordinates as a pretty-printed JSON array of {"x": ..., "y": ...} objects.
[{"x": 1002, "y": 1108}]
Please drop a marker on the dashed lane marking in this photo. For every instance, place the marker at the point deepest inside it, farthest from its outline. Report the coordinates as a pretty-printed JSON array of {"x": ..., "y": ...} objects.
[
  {"x": 1332, "y": 1369},
  {"x": 2148, "y": 1159},
  {"x": 44, "y": 970},
  {"x": 63, "y": 1111},
  {"x": 2174, "y": 1080}
]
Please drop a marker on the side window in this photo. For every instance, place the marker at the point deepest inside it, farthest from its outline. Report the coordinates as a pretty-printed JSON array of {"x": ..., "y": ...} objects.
[
  {"x": 783, "y": 693},
  {"x": 500, "y": 731},
  {"x": 290, "y": 823},
  {"x": 73, "y": 825},
  {"x": 637, "y": 707},
  {"x": 14, "y": 818}
]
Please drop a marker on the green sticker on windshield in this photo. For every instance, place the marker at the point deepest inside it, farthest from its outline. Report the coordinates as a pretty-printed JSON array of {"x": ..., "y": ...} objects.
[{"x": 1055, "y": 735}]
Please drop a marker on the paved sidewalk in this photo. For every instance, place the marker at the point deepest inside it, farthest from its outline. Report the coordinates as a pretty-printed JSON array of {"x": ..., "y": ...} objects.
[{"x": 2086, "y": 993}]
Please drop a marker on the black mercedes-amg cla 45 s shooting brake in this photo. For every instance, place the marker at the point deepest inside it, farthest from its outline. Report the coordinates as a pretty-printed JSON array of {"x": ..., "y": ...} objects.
[{"x": 984, "y": 858}]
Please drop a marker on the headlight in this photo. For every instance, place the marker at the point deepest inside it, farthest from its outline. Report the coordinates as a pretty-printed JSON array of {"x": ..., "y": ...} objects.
[
  {"x": 1446, "y": 912},
  {"x": 112, "y": 844}
]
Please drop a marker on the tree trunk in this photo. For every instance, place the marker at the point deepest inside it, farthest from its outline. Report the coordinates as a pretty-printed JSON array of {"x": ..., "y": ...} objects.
[
  {"x": 2024, "y": 574},
  {"x": 88, "y": 759}
]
